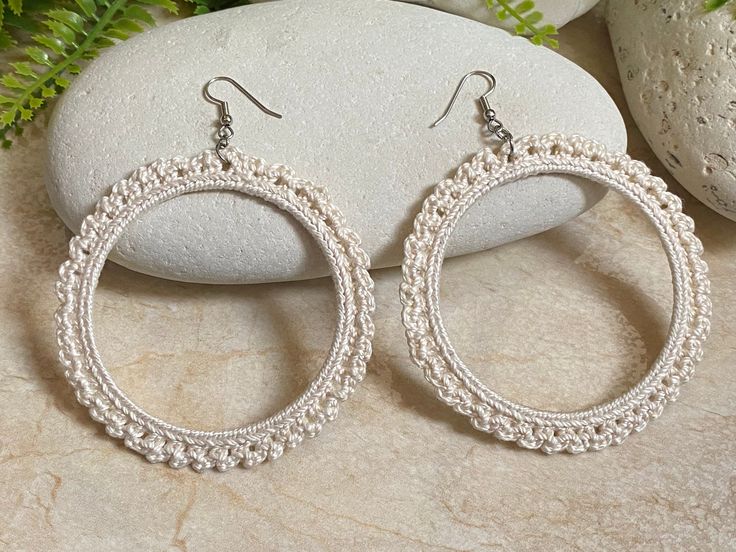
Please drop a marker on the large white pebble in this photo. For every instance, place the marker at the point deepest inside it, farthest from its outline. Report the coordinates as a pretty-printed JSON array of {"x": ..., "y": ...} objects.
[
  {"x": 678, "y": 69},
  {"x": 556, "y": 12},
  {"x": 359, "y": 84}
]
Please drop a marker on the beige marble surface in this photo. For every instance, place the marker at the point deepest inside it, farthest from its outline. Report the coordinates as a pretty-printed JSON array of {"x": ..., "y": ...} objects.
[{"x": 562, "y": 320}]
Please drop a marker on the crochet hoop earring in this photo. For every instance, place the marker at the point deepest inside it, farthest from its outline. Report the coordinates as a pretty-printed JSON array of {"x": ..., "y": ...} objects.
[
  {"x": 430, "y": 348},
  {"x": 225, "y": 169}
]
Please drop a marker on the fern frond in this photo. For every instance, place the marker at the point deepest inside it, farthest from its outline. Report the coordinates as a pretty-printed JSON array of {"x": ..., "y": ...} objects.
[
  {"x": 21, "y": 19},
  {"x": 68, "y": 37},
  {"x": 528, "y": 18},
  {"x": 49, "y": 41}
]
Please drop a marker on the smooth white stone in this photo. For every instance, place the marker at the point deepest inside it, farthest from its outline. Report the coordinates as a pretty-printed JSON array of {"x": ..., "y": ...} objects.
[
  {"x": 556, "y": 12},
  {"x": 359, "y": 84},
  {"x": 678, "y": 70}
]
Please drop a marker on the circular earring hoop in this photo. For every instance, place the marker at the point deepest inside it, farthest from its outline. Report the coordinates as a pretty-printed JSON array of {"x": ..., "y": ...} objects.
[
  {"x": 430, "y": 349},
  {"x": 252, "y": 444}
]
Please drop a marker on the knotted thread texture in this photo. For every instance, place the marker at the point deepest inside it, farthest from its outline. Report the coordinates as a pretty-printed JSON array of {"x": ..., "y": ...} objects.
[
  {"x": 252, "y": 444},
  {"x": 574, "y": 432}
]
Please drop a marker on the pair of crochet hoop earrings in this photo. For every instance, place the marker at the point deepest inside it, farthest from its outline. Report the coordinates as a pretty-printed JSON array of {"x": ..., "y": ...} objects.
[{"x": 228, "y": 169}]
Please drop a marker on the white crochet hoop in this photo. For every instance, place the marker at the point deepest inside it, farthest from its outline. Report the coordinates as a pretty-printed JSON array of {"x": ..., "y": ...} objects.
[
  {"x": 251, "y": 444},
  {"x": 430, "y": 349}
]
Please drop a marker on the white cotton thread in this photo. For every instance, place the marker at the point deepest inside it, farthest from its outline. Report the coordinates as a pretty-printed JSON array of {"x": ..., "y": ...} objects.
[
  {"x": 430, "y": 349},
  {"x": 254, "y": 443}
]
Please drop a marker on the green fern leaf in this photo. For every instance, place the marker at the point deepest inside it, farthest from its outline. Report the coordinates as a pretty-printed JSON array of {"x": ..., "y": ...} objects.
[
  {"x": 39, "y": 56},
  {"x": 61, "y": 82},
  {"x": 6, "y": 40},
  {"x": 169, "y": 5},
  {"x": 50, "y": 42},
  {"x": 11, "y": 81},
  {"x": 712, "y": 5},
  {"x": 68, "y": 18},
  {"x": 103, "y": 42},
  {"x": 24, "y": 68},
  {"x": 16, "y": 6},
  {"x": 527, "y": 18},
  {"x": 35, "y": 103},
  {"x": 128, "y": 26},
  {"x": 8, "y": 117},
  {"x": 548, "y": 30},
  {"x": 139, "y": 14},
  {"x": 116, "y": 34},
  {"x": 88, "y": 7},
  {"x": 61, "y": 31},
  {"x": 534, "y": 18}
]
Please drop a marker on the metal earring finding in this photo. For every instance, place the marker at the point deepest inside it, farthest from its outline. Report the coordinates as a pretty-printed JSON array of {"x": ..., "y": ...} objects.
[
  {"x": 494, "y": 126},
  {"x": 226, "y": 132}
]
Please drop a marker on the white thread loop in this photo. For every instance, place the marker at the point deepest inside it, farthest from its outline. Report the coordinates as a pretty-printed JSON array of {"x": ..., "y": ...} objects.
[
  {"x": 429, "y": 345},
  {"x": 254, "y": 443}
]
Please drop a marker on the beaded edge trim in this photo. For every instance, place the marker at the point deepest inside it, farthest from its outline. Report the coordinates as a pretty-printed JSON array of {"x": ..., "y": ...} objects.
[
  {"x": 180, "y": 447},
  {"x": 431, "y": 351}
]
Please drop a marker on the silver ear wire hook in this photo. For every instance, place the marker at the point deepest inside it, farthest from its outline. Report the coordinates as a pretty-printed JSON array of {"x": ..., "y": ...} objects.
[
  {"x": 226, "y": 130},
  {"x": 493, "y": 124}
]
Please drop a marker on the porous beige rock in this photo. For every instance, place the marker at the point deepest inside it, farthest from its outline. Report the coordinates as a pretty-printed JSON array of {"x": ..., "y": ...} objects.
[{"x": 678, "y": 71}]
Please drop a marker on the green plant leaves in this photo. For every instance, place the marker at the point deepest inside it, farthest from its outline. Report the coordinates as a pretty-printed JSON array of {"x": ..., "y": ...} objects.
[
  {"x": 88, "y": 7},
  {"x": 9, "y": 80},
  {"x": 527, "y": 18},
  {"x": 73, "y": 21},
  {"x": 168, "y": 5},
  {"x": 712, "y": 5},
  {"x": 24, "y": 68},
  {"x": 7, "y": 117},
  {"x": 16, "y": 6},
  {"x": 49, "y": 42},
  {"x": 61, "y": 37},
  {"x": 137, "y": 13},
  {"x": 38, "y": 55},
  {"x": 61, "y": 31},
  {"x": 53, "y": 44}
]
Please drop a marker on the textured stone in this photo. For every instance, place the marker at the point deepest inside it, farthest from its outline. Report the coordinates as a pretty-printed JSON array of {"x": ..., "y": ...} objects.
[
  {"x": 357, "y": 111},
  {"x": 557, "y": 12},
  {"x": 678, "y": 70}
]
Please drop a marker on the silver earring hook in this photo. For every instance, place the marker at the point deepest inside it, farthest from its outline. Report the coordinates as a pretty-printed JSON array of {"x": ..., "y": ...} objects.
[
  {"x": 226, "y": 131},
  {"x": 492, "y": 123},
  {"x": 484, "y": 99},
  {"x": 224, "y": 105}
]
